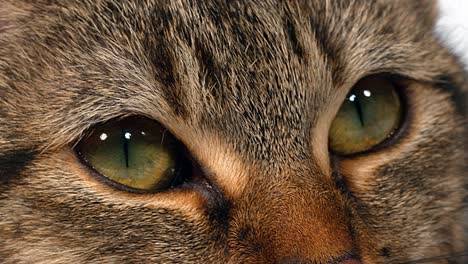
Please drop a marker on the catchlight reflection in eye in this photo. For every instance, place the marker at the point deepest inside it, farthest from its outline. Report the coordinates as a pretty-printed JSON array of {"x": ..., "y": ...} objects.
[{"x": 103, "y": 136}]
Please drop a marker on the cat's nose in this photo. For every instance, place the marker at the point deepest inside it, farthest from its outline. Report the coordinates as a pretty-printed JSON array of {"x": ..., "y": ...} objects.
[{"x": 294, "y": 224}]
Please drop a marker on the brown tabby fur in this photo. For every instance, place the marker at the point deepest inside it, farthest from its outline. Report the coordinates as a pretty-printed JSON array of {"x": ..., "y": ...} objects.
[{"x": 250, "y": 87}]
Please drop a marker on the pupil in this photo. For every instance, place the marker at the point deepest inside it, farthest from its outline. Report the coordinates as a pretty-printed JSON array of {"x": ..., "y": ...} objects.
[
  {"x": 126, "y": 137},
  {"x": 357, "y": 104}
]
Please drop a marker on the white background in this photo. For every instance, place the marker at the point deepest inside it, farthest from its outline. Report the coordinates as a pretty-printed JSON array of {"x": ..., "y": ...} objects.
[{"x": 452, "y": 26}]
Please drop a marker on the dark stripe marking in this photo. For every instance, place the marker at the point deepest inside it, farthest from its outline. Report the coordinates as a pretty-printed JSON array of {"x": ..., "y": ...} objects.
[
  {"x": 457, "y": 95},
  {"x": 13, "y": 163}
]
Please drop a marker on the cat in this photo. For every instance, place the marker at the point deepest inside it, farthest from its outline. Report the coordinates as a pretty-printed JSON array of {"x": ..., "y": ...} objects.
[{"x": 245, "y": 96}]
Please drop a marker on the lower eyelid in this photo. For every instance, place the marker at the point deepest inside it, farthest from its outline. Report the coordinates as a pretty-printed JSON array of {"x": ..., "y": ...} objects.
[{"x": 185, "y": 200}]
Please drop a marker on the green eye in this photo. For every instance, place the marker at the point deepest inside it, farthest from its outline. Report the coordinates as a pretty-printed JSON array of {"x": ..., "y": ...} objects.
[
  {"x": 135, "y": 152},
  {"x": 370, "y": 114}
]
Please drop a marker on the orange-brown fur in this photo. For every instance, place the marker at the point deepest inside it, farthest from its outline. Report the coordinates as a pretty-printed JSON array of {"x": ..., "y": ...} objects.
[{"x": 251, "y": 89}]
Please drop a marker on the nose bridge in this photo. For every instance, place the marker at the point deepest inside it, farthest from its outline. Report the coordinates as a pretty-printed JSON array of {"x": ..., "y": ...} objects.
[
  {"x": 293, "y": 218},
  {"x": 312, "y": 225}
]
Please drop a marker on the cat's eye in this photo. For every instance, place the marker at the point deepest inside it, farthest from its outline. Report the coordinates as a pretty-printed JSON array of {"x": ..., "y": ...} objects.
[
  {"x": 370, "y": 114},
  {"x": 136, "y": 152}
]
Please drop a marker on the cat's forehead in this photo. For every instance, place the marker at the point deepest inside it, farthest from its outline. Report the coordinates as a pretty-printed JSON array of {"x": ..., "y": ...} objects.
[{"x": 257, "y": 74}]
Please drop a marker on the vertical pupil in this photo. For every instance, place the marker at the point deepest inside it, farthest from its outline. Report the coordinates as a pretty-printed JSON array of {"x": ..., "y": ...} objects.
[
  {"x": 357, "y": 104},
  {"x": 126, "y": 138}
]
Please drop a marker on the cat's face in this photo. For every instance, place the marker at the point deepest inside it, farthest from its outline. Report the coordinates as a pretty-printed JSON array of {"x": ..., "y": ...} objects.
[{"x": 250, "y": 89}]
